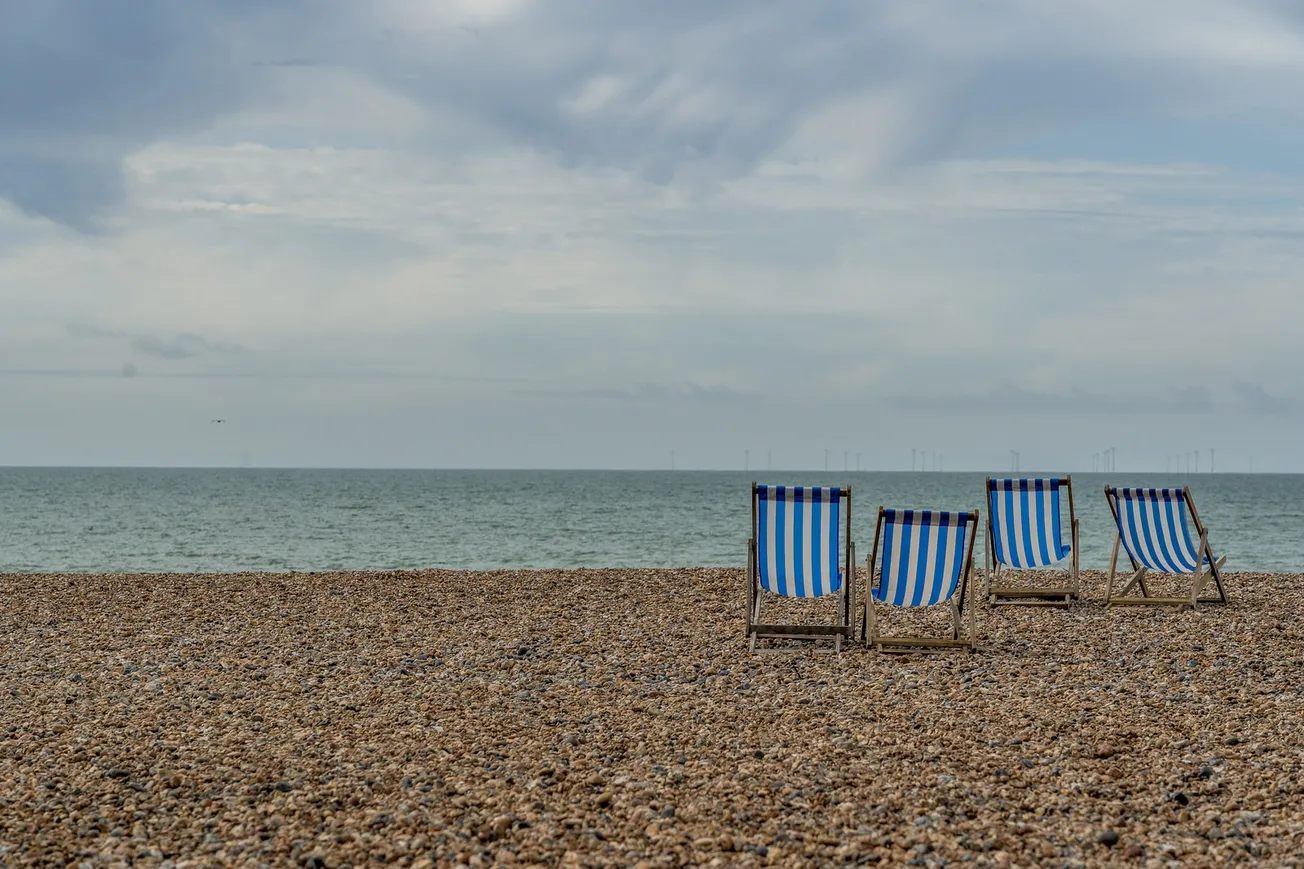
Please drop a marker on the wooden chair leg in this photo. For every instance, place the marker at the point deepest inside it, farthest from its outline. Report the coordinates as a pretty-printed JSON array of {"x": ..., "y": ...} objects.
[
  {"x": 1137, "y": 578},
  {"x": 1113, "y": 567}
]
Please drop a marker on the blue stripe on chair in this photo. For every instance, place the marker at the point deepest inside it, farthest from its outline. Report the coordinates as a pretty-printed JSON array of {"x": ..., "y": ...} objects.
[
  {"x": 1153, "y": 528},
  {"x": 1026, "y": 522},
  {"x": 797, "y": 540},
  {"x": 801, "y": 579},
  {"x": 923, "y": 556}
]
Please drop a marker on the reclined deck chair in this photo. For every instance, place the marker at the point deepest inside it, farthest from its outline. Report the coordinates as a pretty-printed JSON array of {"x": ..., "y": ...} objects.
[
  {"x": 793, "y": 552},
  {"x": 927, "y": 560},
  {"x": 1153, "y": 529},
  {"x": 1024, "y": 532}
]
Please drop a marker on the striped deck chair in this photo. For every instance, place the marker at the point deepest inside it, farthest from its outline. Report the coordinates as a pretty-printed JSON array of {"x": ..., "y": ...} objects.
[
  {"x": 927, "y": 560},
  {"x": 794, "y": 552},
  {"x": 1024, "y": 532},
  {"x": 1154, "y": 530}
]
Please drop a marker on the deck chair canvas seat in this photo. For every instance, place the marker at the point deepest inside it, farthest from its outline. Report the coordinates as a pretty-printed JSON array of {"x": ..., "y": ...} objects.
[
  {"x": 800, "y": 548},
  {"x": 1024, "y": 532},
  {"x": 927, "y": 559},
  {"x": 1154, "y": 528}
]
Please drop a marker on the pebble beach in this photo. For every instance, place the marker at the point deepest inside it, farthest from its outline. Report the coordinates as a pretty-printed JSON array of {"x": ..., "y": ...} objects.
[{"x": 614, "y": 718}]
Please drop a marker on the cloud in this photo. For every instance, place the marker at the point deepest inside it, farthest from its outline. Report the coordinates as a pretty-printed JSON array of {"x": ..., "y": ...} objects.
[
  {"x": 1255, "y": 399},
  {"x": 1074, "y": 401},
  {"x": 668, "y": 392},
  {"x": 185, "y": 345},
  {"x": 82, "y": 84},
  {"x": 697, "y": 94},
  {"x": 90, "y": 330}
]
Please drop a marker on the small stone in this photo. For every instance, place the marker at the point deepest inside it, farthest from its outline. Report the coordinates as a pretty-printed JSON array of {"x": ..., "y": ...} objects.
[
  {"x": 501, "y": 825},
  {"x": 1104, "y": 750},
  {"x": 1133, "y": 851},
  {"x": 117, "y": 773},
  {"x": 1108, "y": 838},
  {"x": 1231, "y": 740},
  {"x": 604, "y": 798}
]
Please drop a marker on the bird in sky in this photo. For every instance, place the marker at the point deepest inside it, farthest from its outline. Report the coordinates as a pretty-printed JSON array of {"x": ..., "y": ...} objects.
[{"x": 219, "y": 420}]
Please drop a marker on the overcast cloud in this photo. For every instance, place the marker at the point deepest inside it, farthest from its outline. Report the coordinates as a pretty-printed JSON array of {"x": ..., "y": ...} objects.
[{"x": 584, "y": 234}]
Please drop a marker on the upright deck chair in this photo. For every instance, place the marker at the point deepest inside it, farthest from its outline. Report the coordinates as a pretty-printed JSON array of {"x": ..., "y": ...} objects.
[
  {"x": 927, "y": 560},
  {"x": 1024, "y": 532},
  {"x": 1154, "y": 530},
  {"x": 793, "y": 552}
]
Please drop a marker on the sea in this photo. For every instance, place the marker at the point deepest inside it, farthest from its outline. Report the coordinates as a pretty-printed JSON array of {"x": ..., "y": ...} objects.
[{"x": 135, "y": 520}]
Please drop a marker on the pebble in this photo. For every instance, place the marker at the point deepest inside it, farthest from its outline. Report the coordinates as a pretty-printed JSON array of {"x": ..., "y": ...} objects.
[{"x": 613, "y": 717}]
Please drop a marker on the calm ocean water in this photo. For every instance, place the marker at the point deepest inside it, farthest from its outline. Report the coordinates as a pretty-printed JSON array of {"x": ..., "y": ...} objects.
[{"x": 136, "y": 520}]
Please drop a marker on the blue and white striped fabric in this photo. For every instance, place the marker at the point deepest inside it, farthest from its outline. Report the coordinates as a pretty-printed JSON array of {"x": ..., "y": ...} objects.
[
  {"x": 923, "y": 555},
  {"x": 797, "y": 540},
  {"x": 1152, "y": 524},
  {"x": 1025, "y": 522}
]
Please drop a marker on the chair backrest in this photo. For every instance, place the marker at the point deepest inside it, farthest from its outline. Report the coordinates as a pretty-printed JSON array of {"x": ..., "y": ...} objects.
[
  {"x": 1154, "y": 529},
  {"x": 797, "y": 539},
  {"x": 923, "y": 555},
  {"x": 1025, "y": 522}
]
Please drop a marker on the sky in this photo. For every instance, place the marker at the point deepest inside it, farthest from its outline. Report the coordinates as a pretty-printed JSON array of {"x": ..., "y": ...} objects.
[{"x": 583, "y": 234}]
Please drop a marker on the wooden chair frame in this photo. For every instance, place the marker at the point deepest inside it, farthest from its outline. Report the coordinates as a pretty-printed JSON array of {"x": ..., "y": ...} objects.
[
  {"x": 869, "y": 623},
  {"x": 842, "y": 626},
  {"x": 1199, "y": 580},
  {"x": 1057, "y": 596}
]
